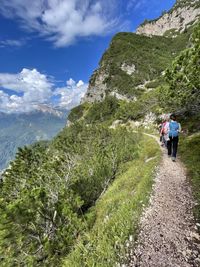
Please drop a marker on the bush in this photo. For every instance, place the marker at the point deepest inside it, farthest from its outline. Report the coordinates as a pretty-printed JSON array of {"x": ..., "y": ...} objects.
[
  {"x": 102, "y": 111},
  {"x": 77, "y": 113}
]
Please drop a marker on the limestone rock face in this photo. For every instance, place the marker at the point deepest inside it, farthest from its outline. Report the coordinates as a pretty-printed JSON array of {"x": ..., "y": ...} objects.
[
  {"x": 129, "y": 69},
  {"x": 97, "y": 88},
  {"x": 179, "y": 18}
]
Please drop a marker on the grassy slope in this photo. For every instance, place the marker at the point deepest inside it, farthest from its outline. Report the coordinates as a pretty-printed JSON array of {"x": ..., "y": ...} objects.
[
  {"x": 190, "y": 154},
  {"x": 117, "y": 212}
]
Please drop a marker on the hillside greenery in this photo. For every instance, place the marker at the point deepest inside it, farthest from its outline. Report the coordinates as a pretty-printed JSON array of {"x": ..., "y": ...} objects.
[
  {"x": 111, "y": 109},
  {"x": 189, "y": 152},
  {"x": 189, "y": 149},
  {"x": 48, "y": 191},
  {"x": 150, "y": 56},
  {"x": 183, "y": 77},
  {"x": 117, "y": 212}
]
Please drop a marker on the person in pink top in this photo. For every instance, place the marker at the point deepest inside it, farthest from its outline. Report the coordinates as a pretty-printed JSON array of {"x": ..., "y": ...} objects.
[{"x": 165, "y": 130}]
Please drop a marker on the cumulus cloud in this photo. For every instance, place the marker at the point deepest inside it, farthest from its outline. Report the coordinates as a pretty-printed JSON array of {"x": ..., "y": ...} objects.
[
  {"x": 29, "y": 88},
  {"x": 25, "y": 81},
  {"x": 71, "y": 94},
  {"x": 63, "y": 21}
]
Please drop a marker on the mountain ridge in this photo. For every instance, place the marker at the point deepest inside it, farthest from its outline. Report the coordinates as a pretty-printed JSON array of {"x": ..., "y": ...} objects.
[{"x": 182, "y": 15}]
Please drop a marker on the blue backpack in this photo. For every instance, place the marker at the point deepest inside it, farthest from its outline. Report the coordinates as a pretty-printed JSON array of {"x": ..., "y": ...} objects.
[{"x": 173, "y": 129}]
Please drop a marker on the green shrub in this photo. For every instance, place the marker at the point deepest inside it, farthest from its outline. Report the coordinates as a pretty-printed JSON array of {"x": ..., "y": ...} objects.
[
  {"x": 184, "y": 78},
  {"x": 77, "y": 112},
  {"x": 102, "y": 111},
  {"x": 153, "y": 84},
  {"x": 117, "y": 212}
]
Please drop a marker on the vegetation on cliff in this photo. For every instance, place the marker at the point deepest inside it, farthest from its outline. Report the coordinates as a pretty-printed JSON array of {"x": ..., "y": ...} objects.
[
  {"x": 150, "y": 56},
  {"x": 184, "y": 79}
]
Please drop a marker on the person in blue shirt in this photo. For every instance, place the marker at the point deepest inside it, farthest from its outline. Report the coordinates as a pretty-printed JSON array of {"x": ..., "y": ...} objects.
[{"x": 174, "y": 130}]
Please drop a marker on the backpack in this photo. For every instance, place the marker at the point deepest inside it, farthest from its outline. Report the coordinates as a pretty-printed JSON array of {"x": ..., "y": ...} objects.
[
  {"x": 165, "y": 128},
  {"x": 173, "y": 129}
]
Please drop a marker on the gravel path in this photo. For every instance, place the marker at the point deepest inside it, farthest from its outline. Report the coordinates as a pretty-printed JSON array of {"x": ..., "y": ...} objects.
[{"x": 168, "y": 236}]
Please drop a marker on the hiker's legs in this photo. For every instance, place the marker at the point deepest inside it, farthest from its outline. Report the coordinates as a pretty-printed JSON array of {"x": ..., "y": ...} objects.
[
  {"x": 162, "y": 140},
  {"x": 175, "y": 146},
  {"x": 169, "y": 146},
  {"x": 166, "y": 138}
]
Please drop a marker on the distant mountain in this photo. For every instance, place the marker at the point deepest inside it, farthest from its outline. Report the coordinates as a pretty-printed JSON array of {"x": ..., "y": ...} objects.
[
  {"x": 47, "y": 109},
  {"x": 17, "y": 130}
]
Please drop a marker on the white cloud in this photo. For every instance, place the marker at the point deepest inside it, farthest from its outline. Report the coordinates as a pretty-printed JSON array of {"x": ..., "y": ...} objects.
[
  {"x": 71, "y": 95},
  {"x": 63, "y": 21},
  {"x": 80, "y": 83},
  {"x": 26, "y": 80},
  {"x": 70, "y": 82},
  {"x": 30, "y": 88},
  {"x": 13, "y": 43},
  {"x": 135, "y": 4}
]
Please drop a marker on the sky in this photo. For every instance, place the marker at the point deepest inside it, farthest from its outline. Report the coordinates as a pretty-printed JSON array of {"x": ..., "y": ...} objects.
[{"x": 50, "y": 48}]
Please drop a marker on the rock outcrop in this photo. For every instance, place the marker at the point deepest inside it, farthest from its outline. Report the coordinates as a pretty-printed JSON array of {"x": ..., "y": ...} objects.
[
  {"x": 183, "y": 15},
  {"x": 97, "y": 87},
  {"x": 129, "y": 69}
]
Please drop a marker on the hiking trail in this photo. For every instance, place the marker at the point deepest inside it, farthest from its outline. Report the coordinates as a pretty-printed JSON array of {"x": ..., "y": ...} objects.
[{"x": 168, "y": 235}]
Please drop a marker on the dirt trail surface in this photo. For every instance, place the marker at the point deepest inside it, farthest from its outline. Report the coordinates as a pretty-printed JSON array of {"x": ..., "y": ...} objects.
[{"x": 168, "y": 235}]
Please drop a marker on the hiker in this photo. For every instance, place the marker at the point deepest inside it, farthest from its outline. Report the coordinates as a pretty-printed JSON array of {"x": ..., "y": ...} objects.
[
  {"x": 165, "y": 131},
  {"x": 172, "y": 143}
]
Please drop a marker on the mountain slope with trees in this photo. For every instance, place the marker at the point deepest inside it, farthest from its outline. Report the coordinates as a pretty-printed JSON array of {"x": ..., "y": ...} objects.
[{"x": 77, "y": 200}]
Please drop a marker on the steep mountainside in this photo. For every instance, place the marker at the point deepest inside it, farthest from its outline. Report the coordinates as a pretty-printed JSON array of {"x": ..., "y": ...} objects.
[
  {"x": 17, "y": 130},
  {"x": 133, "y": 60},
  {"x": 130, "y": 61}
]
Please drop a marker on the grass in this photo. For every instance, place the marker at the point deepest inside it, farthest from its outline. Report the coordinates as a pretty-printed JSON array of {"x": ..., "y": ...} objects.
[
  {"x": 117, "y": 212},
  {"x": 190, "y": 154}
]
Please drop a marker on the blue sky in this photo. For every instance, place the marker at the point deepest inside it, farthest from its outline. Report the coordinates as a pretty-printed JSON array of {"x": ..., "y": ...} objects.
[{"x": 49, "y": 48}]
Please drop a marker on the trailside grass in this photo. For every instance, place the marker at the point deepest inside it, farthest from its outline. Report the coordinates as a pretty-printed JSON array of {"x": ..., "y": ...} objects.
[
  {"x": 190, "y": 154},
  {"x": 117, "y": 213}
]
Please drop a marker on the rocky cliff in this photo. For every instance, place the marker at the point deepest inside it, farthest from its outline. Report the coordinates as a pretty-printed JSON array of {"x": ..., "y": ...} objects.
[{"x": 180, "y": 17}]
